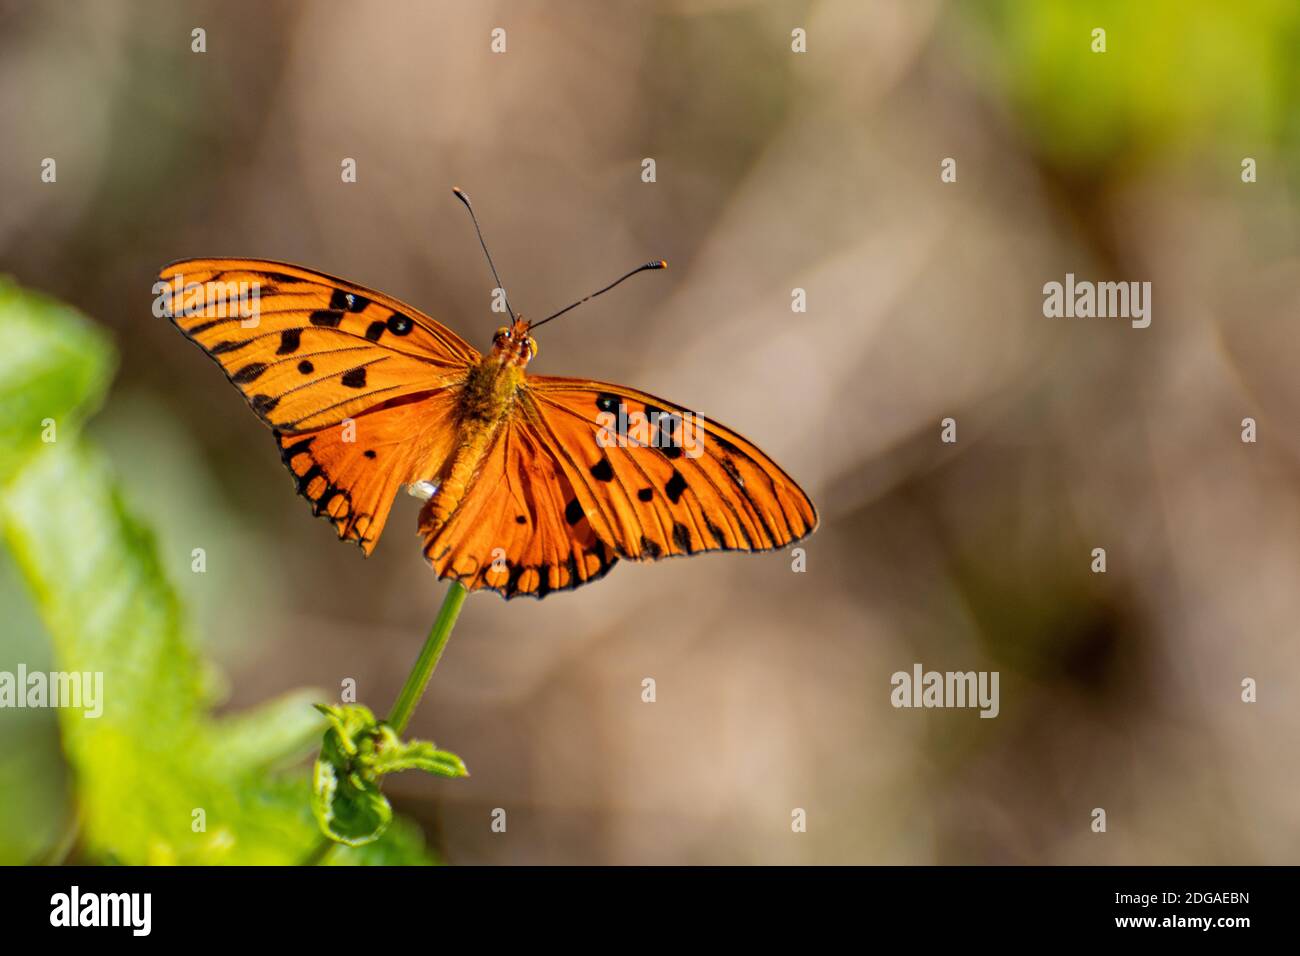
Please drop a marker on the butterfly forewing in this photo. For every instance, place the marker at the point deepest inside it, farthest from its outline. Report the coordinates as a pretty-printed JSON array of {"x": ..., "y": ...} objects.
[
  {"x": 659, "y": 481},
  {"x": 306, "y": 349}
]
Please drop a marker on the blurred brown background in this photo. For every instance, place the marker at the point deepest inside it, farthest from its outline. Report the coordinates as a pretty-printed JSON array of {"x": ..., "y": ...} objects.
[{"x": 775, "y": 170}]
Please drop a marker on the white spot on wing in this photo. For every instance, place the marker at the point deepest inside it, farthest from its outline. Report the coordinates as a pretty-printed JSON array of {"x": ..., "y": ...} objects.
[{"x": 424, "y": 490}]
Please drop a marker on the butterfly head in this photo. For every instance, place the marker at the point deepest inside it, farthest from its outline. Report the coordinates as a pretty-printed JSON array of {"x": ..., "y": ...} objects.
[{"x": 512, "y": 345}]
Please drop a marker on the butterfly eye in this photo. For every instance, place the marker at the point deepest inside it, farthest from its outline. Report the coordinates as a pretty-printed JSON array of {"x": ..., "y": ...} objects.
[
  {"x": 502, "y": 333},
  {"x": 532, "y": 346}
]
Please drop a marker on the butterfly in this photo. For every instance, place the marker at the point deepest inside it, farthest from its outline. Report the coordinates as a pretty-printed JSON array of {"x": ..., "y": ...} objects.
[{"x": 534, "y": 483}]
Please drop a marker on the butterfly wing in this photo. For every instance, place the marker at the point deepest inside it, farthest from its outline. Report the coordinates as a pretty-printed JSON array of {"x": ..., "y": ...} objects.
[
  {"x": 350, "y": 472},
  {"x": 316, "y": 349},
  {"x": 512, "y": 532},
  {"x": 359, "y": 387},
  {"x": 552, "y": 508},
  {"x": 656, "y": 480}
]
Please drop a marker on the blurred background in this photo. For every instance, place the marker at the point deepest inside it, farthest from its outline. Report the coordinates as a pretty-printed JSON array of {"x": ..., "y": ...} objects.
[{"x": 775, "y": 171}]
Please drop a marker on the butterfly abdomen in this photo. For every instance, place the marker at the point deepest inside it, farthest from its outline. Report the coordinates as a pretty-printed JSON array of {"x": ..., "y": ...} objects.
[{"x": 486, "y": 403}]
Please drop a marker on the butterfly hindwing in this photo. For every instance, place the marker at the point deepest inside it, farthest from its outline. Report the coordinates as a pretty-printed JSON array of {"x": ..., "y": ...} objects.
[
  {"x": 350, "y": 472},
  {"x": 518, "y": 529},
  {"x": 658, "y": 481}
]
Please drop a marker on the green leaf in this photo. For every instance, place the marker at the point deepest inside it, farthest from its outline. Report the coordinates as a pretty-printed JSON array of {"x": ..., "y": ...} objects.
[
  {"x": 355, "y": 753},
  {"x": 349, "y": 809},
  {"x": 393, "y": 754},
  {"x": 349, "y": 724},
  {"x": 1166, "y": 83},
  {"x": 401, "y": 845},
  {"x": 158, "y": 779},
  {"x": 55, "y": 369},
  {"x": 346, "y": 799}
]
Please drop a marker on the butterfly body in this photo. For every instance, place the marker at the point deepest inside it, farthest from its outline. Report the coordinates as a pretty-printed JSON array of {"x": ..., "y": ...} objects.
[
  {"x": 542, "y": 483},
  {"x": 488, "y": 400}
]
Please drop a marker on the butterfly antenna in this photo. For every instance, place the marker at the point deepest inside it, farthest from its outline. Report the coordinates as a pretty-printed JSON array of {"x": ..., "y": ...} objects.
[
  {"x": 491, "y": 265},
  {"x": 657, "y": 264}
]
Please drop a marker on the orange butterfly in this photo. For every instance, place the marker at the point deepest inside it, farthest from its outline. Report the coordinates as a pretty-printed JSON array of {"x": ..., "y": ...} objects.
[{"x": 538, "y": 483}]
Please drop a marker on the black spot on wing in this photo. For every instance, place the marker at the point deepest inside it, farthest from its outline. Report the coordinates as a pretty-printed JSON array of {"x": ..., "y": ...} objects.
[
  {"x": 726, "y": 446},
  {"x": 664, "y": 425},
  {"x": 646, "y": 494},
  {"x": 681, "y": 536},
  {"x": 249, "y": 373},
  {"x": 676, "y": 485},
  {"x": 512, "y": 581},
  {"x": 348, "y": 301},
  {"x": 369, "y": 453},
  {"x": 668, "y": 425},
  {"x": 607, "y": 402},
  {"x": 375, "y": 330},
  {"x": 222, "y": 347},
  {"x": 573, "y": 512},
  {"x": 650, "y": 549},
  {"x": 281, "y": 278},
  {"x": 262, "y": 404},
  {"x": 400, "y": 324},
  {"x": 520, "y": 519},
  {"x": 326, "y": 319},
  {"x": 356, "y": 378},
  {"x": 602, "y": 470},
  {"x": 290, "y": 339},
  {"x": 306, "y": 367}
]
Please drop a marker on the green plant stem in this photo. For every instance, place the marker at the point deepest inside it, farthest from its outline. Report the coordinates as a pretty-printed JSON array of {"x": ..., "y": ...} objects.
[
  {"x": 434, "y": 644},
  {"x": 413, "y": 689},
  {"x": 321, "y": 854}
]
